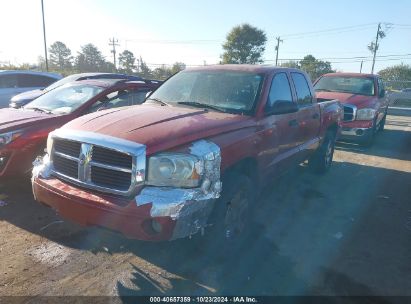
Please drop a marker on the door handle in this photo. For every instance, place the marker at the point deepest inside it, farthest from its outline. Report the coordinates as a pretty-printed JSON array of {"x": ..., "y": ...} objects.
[
  {"x": 293, "y": 123},
  {"x": 316, "y": 116}
]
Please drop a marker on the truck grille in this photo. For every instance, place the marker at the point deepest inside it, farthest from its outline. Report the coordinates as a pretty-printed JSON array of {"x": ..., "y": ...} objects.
[
  {"x": 349, "y": 112},
  {"x": 91, "y": 165}
]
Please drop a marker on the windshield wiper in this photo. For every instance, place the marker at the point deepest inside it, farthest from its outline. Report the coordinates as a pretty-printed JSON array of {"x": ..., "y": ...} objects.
[
  {"x": 202, "y": 105},
  {"x": 38, "y": 110},
  {"x": 163, "y": 103}
]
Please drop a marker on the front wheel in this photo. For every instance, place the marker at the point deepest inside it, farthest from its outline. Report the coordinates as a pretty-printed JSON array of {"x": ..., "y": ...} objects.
[
  {"x": 231, "y": 214},
  {"x": 322, "y": 160}
]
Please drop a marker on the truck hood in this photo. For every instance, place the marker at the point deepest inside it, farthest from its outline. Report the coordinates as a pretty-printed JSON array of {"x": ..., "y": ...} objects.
[
  {"x": 361, "y": 101},
  {"x": 13, "y": 119},
  {"x": 159, "y": 127}
]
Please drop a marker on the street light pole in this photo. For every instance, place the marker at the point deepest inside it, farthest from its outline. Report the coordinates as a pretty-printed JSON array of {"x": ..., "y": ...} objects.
[{"x": 44, "y": 36}]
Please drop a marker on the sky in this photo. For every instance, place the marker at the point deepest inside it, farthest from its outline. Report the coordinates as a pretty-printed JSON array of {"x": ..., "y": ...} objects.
[{"x": 189, "y": 31}]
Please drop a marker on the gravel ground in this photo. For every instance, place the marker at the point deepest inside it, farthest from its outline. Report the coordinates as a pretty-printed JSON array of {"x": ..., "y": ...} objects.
[{"x": 345, "y": 233}]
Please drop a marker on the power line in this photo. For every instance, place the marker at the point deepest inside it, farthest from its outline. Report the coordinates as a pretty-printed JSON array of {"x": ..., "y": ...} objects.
[{"x": 350, "y": 28}]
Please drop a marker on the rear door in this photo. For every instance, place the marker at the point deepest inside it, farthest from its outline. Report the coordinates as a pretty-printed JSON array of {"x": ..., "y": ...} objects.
[
  {"x": 308, "y": 115},
  {"x": 382, "y": 99}
]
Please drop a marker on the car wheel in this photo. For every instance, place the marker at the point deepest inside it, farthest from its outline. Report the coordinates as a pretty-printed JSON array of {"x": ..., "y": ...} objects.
[
  {"x": 382, "y": 123},
  {"x": 323, "y": 157},
  {"x": 368, "y": 140},
  {"x": 231, "y": 215}
]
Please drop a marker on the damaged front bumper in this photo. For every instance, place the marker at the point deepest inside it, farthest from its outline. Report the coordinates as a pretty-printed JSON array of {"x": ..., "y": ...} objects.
[{"x": 154, "y": 214}]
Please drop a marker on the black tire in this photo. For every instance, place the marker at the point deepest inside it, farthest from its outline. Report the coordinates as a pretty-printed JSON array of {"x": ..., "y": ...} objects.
[
  {"x": 368, "y": 140},
  {"x": 381, "y": 126},
  {"x": 323, "y": 157},
  {"x": 230, "y": 219}
]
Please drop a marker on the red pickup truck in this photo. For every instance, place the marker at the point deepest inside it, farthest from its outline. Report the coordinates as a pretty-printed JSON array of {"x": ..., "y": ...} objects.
[
  {"x": 192, "y": 155},
  {"x": 364, "y": 101},
  {"x": 24, "y": 131}
]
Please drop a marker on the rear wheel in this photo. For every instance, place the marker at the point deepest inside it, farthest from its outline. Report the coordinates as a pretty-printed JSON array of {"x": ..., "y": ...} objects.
[{"x": 323, "y": 157}]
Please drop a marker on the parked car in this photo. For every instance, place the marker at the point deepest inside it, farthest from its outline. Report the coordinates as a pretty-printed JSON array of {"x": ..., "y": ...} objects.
[
  {"x": 23, "y": 132},
  {"x": 24, "y": 98},
  {"x": 16, "y": 82},
  {"x": 364, "y": 99},
  {"x": 193, "y": 153}
]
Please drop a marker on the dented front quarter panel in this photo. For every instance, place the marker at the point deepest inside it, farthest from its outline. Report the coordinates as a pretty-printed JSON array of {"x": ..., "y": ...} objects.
[{"x": 190, "y": 208}]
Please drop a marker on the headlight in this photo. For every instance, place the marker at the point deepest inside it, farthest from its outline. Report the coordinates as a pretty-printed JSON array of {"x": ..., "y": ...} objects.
[
  {"x": 365, "y": 114},
  {"x": 173, "y": 170},
  {"x": 7, "y": 138}
]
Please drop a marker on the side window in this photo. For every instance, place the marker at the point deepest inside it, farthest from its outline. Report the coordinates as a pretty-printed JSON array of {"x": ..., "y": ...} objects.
[
  {"x": 8, "y": 81},
  {"x": 302, "y": 89},
  {"x": 33, "y": 81},
  {"x": 120, "y": 98},
  {"x": 280, "y": 90}
]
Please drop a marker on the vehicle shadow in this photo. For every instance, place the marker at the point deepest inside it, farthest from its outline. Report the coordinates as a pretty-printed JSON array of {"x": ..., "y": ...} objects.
[{"x": 390, "y": 143}]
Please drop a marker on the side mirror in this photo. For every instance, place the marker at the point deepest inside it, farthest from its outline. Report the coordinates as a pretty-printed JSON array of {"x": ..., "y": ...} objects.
[
  {"x": 283, "y": 107},
  {"x": 382, "y": 93}
]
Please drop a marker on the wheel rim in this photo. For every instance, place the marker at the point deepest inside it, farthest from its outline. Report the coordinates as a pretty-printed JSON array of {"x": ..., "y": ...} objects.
[{"x": 235, "y": 217}]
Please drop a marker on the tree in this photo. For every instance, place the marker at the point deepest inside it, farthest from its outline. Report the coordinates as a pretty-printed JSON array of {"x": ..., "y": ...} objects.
[
  {"x": 244, "y": 44},
  {"x": 90, "y": 59},
  {"x": 290, "y": 64},
  {"x": 144, "y": 70},
  {"x": 177, "y": 67},
  {"x": 60, "y": 55},
  {"x": 398, "y": 76},
  {"x": 162, "y": 73},
  {"x": 127, "y": 62},
  {"x": 315, "y": 68}
]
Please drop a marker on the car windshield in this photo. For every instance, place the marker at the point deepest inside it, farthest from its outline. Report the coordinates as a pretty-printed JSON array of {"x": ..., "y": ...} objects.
[
  {"x": 226, "y": 91},
  {"x": 64, "y": 99},
  {"x": 61, "y": 82},
  {"x": 352, "y": 85}
]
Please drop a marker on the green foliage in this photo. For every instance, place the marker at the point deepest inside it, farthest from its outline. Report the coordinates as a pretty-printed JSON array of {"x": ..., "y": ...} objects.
[
  {"x": 144, "y": 70},
  {"x": 315, "y": 68},
  {"x": 244, "y": 44},
  {"x": 162, "y": 73},
  {"x": 90, "y": 59},
  {"x": 177, "y": 67},
  {"x": 127, "y": 62},
  {"x": 60, "y": 56},
  {"x": 397, "y": 76},
  {"x": 290, "y": 64}
]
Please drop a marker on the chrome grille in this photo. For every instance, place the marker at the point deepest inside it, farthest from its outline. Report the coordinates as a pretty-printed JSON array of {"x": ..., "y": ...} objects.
[
  {"x": 349, "y": 112},
  {"x": 99, "y": 162}
]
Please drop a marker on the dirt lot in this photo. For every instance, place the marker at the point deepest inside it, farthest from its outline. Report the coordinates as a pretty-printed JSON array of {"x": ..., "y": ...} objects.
[{"x": 345, "y": 233}]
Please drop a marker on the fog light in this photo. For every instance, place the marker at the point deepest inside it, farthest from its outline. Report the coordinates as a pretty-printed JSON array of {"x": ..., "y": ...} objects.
[
  {"x": 359, "y": 132},
  {"x": 156, "y": 226}
]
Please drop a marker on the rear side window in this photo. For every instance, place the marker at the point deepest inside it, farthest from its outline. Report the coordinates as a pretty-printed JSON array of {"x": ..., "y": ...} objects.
[
  {"x": 32, "y": 81},
  {"x": 381, "y": 87},
  {"x": 302, "y": 89},
  {"x": 8, "y": 81},
  {"x": 280, "y": 90}
]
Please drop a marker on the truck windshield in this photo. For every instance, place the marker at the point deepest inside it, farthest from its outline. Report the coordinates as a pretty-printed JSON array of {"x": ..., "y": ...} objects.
[
  {"x": 352, "y": 85},
  {"x": 64, "y": 99},
  {"x": 227, "y": 91}
]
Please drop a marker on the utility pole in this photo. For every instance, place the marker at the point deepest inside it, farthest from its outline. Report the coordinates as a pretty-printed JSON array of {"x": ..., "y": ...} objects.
[
  {"x": 277, "y": 49},
  {"x": 114, "y": 42},
  {"x": 362, "y": 61},
  {"x": 375, "y": 47},
  {"x": 44, "y": 36}
]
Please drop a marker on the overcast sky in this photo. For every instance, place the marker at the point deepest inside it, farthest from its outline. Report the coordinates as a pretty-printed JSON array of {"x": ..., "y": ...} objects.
[{"x": 192, "y": 31}]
